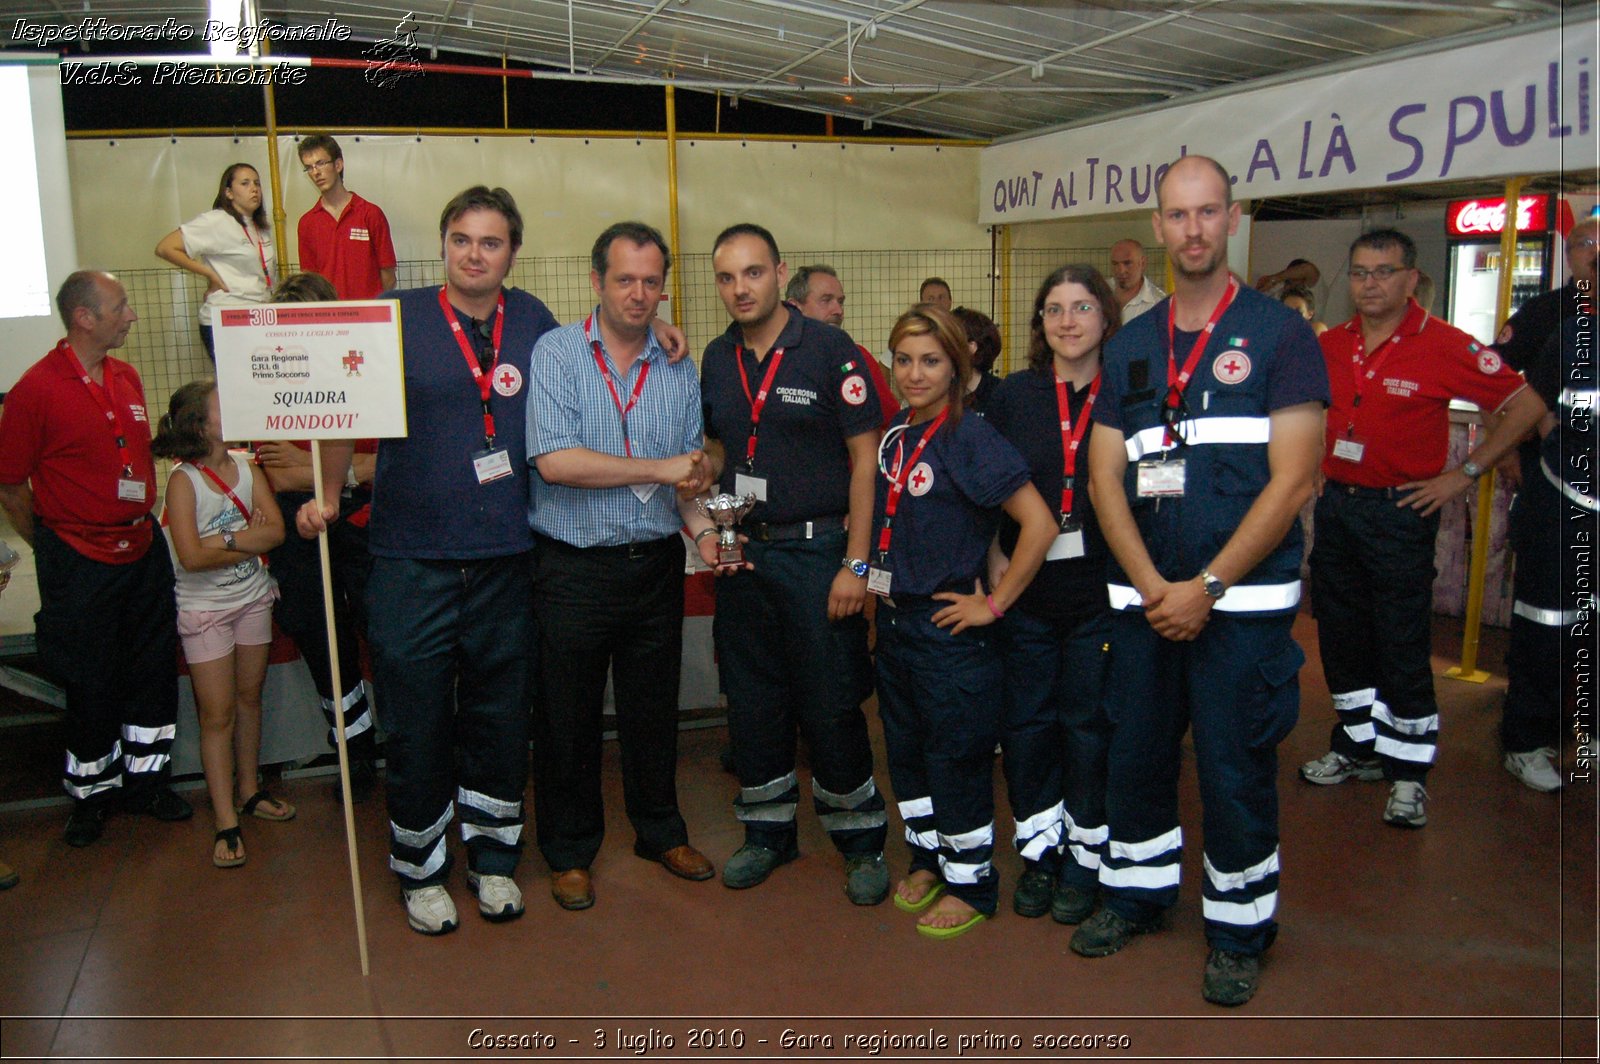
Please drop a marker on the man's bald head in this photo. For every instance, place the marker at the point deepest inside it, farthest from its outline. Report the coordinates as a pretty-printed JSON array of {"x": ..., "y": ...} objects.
[
  {"x": 1187, "y": 166},
  {"x": 1127, "y": 265}
]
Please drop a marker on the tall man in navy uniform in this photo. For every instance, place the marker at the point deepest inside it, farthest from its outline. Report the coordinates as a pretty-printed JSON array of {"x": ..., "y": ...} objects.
[
  {"x": 1207, "y": 433},
  {"x": 78, "y": 483},
  {"x": 613, "y": 429},
  {"x": 789, "y": 402},
  {"x": 1393, "y": 370},
  {"x": 1530, "y": 725},
  {"x": 451, "y": 592}
]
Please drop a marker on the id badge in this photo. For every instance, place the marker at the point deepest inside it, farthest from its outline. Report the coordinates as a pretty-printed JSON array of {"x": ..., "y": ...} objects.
[
  {"x": 492, "y": 465},
  {"x": 1068, "y": 543},
  {"x": 130, "y": 490},
  {"x": 1158, "y": 480},
  {"x": 643, "y": 491},
  {"x": 878, "y": 580},
  {"x": 750, "y": 484},
  {"x": 1348, "y": 449}
]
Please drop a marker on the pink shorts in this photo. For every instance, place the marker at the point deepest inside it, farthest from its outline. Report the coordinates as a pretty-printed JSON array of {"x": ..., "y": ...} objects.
[{"x": 211, "y": 634}]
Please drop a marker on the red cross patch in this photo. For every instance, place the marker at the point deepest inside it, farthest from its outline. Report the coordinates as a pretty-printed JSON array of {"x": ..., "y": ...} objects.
[
  {"x": 921, "y": 479},
  {"x": 352, "y": 364},
  {"x": 1489, "y": 362},
  {"x": 507, "y": 380},
  {"x": 1231, "y": 367},
  {"x": 853, "y": 389}
]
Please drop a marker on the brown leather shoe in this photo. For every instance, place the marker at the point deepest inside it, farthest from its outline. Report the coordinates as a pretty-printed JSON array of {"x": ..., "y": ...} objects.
[
  {"x": 683, "y": 861},
  {"x": 572, "y": 889}
]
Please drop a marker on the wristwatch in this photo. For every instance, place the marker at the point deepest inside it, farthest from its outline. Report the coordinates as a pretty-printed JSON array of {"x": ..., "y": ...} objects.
[
  {"x": 1213, "y": 587},
  {"x": 229, "y": 542},
  {"x": 855, "y": 565},
  {"x": 1472, "y": 469}
]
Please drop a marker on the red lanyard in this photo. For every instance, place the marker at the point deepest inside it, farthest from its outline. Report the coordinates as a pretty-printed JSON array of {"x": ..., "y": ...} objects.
[
  {"x": 1179, "y": 381},
  {"x": 616, "y": 397},
  {"x": 1358, "y": 358},
  {"x": 485, "y": 380},
  {"x": 1071, "y": 437},
  {"x": 897, "y": 482},
  {"x": 105, "y": 398},
  {"x": 261, "y": 250},
  {"x": 229, "y": 492},
  {"x": 759, "y": 401}
]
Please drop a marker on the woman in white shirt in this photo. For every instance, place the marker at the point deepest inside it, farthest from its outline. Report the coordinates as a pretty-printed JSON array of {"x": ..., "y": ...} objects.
[{"x": 229, "y": 245}]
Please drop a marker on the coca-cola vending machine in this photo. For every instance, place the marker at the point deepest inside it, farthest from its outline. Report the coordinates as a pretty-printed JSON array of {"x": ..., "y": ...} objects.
[{"x": 1474, "y": 227}]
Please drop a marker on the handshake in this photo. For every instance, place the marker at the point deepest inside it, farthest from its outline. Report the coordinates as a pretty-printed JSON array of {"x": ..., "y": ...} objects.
[{"x": 692, "y": 474}]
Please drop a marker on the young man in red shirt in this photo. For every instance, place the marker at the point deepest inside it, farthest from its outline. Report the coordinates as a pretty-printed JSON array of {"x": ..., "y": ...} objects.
[{"x": 343, "y": 237}]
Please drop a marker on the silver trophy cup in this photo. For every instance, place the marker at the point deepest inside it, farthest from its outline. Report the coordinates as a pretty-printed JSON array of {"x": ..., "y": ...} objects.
[{"x": 725, "y": 511}]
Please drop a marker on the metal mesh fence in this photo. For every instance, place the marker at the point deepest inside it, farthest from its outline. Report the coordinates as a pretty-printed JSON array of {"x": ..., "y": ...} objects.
[{"x": 165, "y": 345}]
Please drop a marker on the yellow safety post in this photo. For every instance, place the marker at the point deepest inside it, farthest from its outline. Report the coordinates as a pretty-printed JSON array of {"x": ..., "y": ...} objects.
[
  {"x": 672, "y": 200},
  {"x": 274, "y": 176},
  {"x": 1468, "y": 669}
]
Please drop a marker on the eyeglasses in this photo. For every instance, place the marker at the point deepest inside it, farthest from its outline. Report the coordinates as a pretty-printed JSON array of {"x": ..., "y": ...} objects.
[
  {"x": 1052, "y": 311},
  {"x": 1583, "y": 244},
  {"x": 312, "y": 168},
  {"x": 1382, "y": 273}
]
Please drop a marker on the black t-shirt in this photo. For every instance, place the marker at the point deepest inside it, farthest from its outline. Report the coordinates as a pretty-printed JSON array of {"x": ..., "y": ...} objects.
[
  {"x": 1023, "y": 409},
  {"x": 821, "y": 396}
]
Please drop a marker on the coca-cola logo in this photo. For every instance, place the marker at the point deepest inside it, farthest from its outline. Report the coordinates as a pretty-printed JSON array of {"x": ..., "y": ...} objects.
[{"x": 1477, "y": 216}]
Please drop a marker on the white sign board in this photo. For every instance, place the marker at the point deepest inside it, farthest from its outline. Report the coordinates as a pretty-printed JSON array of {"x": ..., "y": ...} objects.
[
  {"x": 1522, "y": 105},
  {"x": 300, "y": 371}
]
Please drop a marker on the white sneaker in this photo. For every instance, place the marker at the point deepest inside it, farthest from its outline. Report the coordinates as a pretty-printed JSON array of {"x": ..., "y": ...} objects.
[
  {"x": 1407, "y": 806},
  {"x": 1333, "y": 767},
  {"x": 1534, "y": 769},
  {"x": 430, "y": 910},
  {"x": 498, "y": 897}
]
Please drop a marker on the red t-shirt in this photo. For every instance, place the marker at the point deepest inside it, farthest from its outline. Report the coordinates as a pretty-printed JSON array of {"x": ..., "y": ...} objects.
[
  {"x": 349, "y": 250},
  {"x": 1402, "y": 424},
  {"x": 54, "y": 434},
  {"x": 886, "y": 399}
]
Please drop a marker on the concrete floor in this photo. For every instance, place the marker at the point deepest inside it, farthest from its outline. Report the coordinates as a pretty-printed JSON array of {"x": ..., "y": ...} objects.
[{"x": 1474, "y": 938}]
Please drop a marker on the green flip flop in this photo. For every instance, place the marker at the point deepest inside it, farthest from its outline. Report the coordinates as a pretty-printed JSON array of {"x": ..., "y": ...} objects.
[
  {"x": 921, "y": 903},
  {"x": 951, "y": 932}
]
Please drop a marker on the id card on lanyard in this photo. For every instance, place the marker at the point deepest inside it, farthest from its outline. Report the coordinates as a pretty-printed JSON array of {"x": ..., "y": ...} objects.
[
  {"x": 745, "y": 480},
  {"x": 1348, "y": 446},
  {"x": 1069, "y": 541},
  {"x": 880, "y": 576},
  {"x": 1161, "y": 478},
  {"x": 492, "y": 463},
  {"x": 642, "y": 492},
  {"x": 130, "y": 488}
]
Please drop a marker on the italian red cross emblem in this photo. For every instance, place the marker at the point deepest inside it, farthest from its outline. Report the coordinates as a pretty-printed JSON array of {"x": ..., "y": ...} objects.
[
  {"x": 507, "y": 380},
  {"x": 1231, "y": 367}
]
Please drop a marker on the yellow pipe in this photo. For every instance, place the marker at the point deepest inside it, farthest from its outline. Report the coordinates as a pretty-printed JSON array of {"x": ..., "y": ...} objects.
[
  {"x": 280, "y": 220},
  {"x": 1468, "y": 669},
  {"x": 591, "y": 134},
  {"x": 1006, "y": 322},
  {"x": 672, "y": 198},
  {"x": 505, "y": 95}
]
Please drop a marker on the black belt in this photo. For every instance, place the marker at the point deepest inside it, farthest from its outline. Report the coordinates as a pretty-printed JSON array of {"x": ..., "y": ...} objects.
[
  {"x": 767, "y": 532},
  {"x": 1359, "y": 492},
  {"x": 629, "y": 551}
]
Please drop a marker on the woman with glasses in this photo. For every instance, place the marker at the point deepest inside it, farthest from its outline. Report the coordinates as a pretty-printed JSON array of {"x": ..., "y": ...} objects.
[
  {"x": 1054, "y": 642},
  {"x": 943, "y": 481},
  {"x": 230, "y": 246}
]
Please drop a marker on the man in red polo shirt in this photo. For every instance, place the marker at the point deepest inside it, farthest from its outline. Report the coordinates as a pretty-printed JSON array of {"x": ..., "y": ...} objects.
[
  {"x": 78, "y": 483},
  {"x": 343, "y": 237},
  {"x": 1393, "y": 371}
]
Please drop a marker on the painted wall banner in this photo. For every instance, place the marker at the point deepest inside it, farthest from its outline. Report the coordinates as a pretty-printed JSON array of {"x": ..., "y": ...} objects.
[
  {"x": 301, "y": 371},
  {"x": 1523, "y": 105}
]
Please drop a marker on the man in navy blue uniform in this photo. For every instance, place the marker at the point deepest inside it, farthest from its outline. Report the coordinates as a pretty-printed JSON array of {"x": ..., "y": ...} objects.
[
  {"x": 613, "y": 429},
  {"x": 451, "y": 592},
  {"x": 790, "y": 403},
  {"x": 1207, "y": 434}
]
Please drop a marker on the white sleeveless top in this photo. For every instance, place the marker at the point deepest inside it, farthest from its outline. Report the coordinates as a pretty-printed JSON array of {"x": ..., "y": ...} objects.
[{"x": 234, "y": 585}]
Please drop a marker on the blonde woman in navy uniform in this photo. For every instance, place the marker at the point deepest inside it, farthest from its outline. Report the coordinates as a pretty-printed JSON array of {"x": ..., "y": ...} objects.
[{"x": 943, "y": 480}]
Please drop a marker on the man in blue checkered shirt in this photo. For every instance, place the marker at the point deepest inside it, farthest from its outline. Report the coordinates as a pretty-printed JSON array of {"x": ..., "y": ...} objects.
[{"x": 614, "y": 435}]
